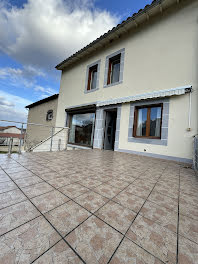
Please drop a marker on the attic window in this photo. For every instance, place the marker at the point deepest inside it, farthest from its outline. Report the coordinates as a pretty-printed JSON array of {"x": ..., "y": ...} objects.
[{"x": 49, "y": 115}]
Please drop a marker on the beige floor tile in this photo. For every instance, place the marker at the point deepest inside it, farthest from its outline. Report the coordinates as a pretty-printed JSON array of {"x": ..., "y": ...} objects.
[
  {"x": 49, "y": 201},
  {"x": 91, "y": 201},
  {"x": 116, "y": 215},
  {"x": 16, "y": 215},
  {"x": 27, "y": 242},
  {"x": 163, "y": 200},
  {"x": 188, "y": 228},
  {"x": 118, "y": 183},
  {"x": 7, "y": 186},
  {"x": 130, "y": 201},
  {"x": 11, "y": 197},
  {"x": 136, "y": 190},
  {"x": 22, "y": 174},
  {"x": 37, "y": 189},
  {"x": 4, "y": 177},
  {"x": 186, "y": 199},
  {"x": 188, "y": 251},
  {"x": 94, "y": 241},
  {"x": 24, "y": 182},
  {"x": 73, "y": 190},
  {"x": 189, "y": 210},
  {"x": 90, "y": 183},
  {"x": 107, "y": 190},
  {"x": 161, "y": 215},
  {"x": 166, "y": 190},
  {"x": 61, "y": 253},
  {"x": 67, "y": 216},
  {"x": 154, "y": 238},
  {"x": 129, "y": 253},
  {"x": 59, "y": 182}
]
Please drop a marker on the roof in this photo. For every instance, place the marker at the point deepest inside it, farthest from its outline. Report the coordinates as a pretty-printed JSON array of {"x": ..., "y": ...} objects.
[
  {"x": 11, "y": 135},
  {"x": 6, "y": 127},
  {"x": 45, "y": 100},
  {"x": 131, "y": 22}
]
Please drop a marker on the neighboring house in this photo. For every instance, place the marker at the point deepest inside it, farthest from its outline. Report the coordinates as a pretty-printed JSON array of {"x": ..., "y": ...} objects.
[
  {"x": 7, "y": 132},
  {"x": 42, "y": 112},
  {"x": 134, "y": 89}
]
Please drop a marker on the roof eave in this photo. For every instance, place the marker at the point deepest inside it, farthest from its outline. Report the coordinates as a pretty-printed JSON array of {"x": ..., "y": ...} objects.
[{"x": 143, "y": 15}]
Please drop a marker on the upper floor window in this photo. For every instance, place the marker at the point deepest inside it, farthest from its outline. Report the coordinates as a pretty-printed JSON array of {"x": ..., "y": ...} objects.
[
  {"x": 49, "y": 115},
  {"x": 148, "y": 121},
  {"x": 114, "y": 69},
  {"x": 92, "y": 78}
]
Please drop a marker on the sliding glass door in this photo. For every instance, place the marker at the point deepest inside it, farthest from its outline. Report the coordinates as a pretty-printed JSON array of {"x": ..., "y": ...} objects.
[{"x": 82, "y": 129}]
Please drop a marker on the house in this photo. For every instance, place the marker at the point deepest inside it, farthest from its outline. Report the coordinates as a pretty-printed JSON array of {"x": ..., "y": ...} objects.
[
  {"x": 134, "y": 89},
  {"x": 7, "y": 132},
  {"x": 41, "y": 117}
]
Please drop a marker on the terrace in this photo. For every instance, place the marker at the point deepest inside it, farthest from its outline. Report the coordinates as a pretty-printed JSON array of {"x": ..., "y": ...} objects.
[{"x": 91, "y": 206}]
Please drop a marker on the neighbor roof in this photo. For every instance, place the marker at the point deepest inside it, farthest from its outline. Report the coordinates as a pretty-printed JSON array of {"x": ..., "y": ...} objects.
[
  {"x": 52, "y": 97},
  {"x": 149, "y": 10}
]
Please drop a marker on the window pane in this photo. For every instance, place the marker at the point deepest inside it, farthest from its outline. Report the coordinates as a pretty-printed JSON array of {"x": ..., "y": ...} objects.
[
  {"x": 141, "y": 122},
  {"x": 115, "y": 75},
  {"x": 155, "y": 124},
  {"x": 81, "y": 129},
  {"x": 93, "y": 79}
]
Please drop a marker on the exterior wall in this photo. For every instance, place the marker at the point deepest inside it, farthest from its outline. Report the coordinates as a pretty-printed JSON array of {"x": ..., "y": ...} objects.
[
  {"x": 179, "y": 141},
  {"x": 162, "y": 54},
  {"x": 37, "y": 115},
  {"x": 13, "y": 130}
]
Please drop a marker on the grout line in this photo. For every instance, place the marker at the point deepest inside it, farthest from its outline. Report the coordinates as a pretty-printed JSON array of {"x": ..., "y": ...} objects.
[
  {"x": 51, "y": 224},
  {"x": 177, "y": 252},
  {"x": 105, "y": 204},
  {"x": 132, "y": 223}
]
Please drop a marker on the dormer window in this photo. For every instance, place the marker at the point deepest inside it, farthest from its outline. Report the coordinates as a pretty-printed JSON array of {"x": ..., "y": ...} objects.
[{"x": 49, "y": 115}]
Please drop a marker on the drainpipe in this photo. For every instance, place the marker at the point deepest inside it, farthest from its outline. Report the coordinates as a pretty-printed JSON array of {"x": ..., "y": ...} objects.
[{"x": 189, "y": 90}]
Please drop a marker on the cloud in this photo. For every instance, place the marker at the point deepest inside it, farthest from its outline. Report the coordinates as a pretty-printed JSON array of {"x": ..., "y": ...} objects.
[
  {"x": 11, "y": 111},
  {"x": 20, "y": 76},
  {"x": 45, "y": 91},
  {"x": 43, "y": 33}
]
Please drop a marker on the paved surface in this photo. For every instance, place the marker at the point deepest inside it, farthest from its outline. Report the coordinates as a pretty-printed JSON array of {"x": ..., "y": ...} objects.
[{"x": 97, "y": 207}]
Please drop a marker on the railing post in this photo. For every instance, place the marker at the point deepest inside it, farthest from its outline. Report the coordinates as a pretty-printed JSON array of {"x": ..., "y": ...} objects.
[
  {"x": 10, "y": 146},
  {"x": 20, "y": 141},
  {"x": 52, "y": 133},
  {"x": 59, "y": 144}
]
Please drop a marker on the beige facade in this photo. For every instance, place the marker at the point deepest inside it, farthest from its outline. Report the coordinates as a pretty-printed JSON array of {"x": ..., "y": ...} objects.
[
  {"x": 38, "y": 115},
  {"x": 160, "y": 54}
]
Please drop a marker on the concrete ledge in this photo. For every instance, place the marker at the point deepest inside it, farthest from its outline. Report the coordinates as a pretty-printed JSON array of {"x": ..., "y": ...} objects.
[{"x": 158, "y": 156}]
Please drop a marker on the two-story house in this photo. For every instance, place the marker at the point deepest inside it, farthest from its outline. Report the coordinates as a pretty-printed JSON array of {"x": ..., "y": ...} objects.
[{"x": 135, "y": 88}]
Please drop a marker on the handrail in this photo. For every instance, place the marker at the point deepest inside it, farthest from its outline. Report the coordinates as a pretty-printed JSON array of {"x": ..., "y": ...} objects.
[{"x": 31, "y": 124}]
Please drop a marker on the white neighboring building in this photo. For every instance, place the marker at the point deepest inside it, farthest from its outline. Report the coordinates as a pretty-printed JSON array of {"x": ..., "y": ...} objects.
[{"x": 7, "y": 132}]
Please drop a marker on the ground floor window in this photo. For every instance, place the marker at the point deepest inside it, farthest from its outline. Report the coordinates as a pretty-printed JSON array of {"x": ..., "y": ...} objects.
[
  {"x": 147, "y": 121},
  {"x": 82, "y": 129}
]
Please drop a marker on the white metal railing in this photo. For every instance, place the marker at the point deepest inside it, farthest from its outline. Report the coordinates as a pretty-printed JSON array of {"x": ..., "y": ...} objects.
[
  {"x": 195, "y": 156},
  {"x": 32, "y": 137}
]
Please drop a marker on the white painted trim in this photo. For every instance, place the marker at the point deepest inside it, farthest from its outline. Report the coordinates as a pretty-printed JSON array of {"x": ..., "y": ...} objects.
[{"x": 156, "y": 94}]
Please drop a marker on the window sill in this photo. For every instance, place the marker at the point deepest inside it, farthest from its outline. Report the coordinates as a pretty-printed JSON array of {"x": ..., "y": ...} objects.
[
  {"x": 91, "y": 91},
  {"x": 152, "y": 141},
  {"x": 112, "y": 84}
]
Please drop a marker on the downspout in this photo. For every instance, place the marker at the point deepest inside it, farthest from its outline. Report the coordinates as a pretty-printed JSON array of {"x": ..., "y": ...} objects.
[{"x": 189, "y": 90}]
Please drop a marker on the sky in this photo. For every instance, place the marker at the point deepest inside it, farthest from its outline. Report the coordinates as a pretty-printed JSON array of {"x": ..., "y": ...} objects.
[{"x": 36, "y": 35}]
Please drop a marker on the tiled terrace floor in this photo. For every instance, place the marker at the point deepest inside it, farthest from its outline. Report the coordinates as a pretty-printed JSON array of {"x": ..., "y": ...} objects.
[{"x": 97, "y": 207}]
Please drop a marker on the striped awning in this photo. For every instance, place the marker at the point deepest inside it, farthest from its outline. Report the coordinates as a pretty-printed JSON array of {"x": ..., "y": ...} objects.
[{"x": 145, "y": 96}]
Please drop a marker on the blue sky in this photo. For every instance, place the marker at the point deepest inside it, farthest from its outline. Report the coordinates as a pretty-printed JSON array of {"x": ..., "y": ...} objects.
[{"x": 36, "y": 35}]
